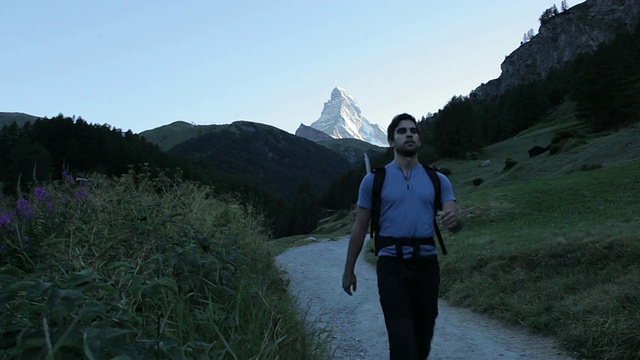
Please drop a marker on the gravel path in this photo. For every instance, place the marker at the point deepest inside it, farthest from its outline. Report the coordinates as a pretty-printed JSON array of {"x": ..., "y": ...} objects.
[{"x": 357, "y": 325}]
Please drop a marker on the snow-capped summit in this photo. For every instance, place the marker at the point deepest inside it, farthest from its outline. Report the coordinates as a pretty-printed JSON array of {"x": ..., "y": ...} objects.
[{"x": 341, "y": 118}]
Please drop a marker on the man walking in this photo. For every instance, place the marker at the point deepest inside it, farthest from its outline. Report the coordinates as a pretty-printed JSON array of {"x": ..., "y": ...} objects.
[{"x": 407, "y": 268}]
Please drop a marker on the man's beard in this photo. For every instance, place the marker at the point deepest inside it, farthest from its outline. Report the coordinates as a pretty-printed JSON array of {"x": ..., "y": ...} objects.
[
  {"x": 407, "y": 153},
  {"x": 402, "y": 151}
]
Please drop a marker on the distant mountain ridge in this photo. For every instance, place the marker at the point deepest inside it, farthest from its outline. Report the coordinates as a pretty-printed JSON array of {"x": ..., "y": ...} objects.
[
  {"x": 353, "y": 149},
  {"x": 342, "y": 118},
  {"x": 170, "y": 135},
  {"x": 8, "y": 118},
  {"x": 312, "y": 134},
  {"x": 273, "y": 158}
]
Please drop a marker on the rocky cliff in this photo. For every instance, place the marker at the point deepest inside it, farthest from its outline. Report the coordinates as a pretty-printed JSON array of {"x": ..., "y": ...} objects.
[{"x": 572, "y": 32}]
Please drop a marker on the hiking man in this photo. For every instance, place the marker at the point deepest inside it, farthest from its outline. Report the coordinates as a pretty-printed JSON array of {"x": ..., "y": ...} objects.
[{"x": 407, "y": 268}]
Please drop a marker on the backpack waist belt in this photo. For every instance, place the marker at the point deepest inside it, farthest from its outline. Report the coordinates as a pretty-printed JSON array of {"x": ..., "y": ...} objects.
[{"x": 384, "y": 241}]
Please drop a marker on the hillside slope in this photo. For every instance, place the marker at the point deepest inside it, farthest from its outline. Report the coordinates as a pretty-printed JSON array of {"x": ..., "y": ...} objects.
[
  {"x": 7, "y": 118},
  {"x": 268, "y": 156},
  {"x": 577, "y": 152}
]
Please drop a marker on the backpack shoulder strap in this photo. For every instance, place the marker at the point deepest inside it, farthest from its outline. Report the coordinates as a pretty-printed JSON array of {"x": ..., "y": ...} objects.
[
  {"x": 376, "y": 199},
  {"x": 437, "y": 190},
  {"x": 437, "y": 187}
]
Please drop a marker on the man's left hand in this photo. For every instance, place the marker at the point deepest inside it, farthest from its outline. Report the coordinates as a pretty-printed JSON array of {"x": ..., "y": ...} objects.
[{"x": 449, "y": 219}]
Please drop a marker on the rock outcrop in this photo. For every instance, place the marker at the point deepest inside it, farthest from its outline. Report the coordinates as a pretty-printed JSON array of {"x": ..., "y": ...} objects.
[{"x": 561, "y": 39}]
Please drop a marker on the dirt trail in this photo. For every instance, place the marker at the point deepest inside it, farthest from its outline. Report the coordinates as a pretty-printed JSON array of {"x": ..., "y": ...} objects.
[{"x": 357, "y": 324}]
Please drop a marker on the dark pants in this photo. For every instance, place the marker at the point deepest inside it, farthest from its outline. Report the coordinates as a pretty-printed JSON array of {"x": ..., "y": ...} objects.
[{"x": 408, "y": 292}]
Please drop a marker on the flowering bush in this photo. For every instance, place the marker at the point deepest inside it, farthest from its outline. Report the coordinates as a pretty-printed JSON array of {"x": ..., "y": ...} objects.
[
  {"x": 139, "y": 268},
  {"x": 30, "y": 220}
]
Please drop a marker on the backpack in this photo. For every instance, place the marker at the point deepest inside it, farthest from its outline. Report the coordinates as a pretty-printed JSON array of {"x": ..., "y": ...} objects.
[{"x": 378, "y": 180}]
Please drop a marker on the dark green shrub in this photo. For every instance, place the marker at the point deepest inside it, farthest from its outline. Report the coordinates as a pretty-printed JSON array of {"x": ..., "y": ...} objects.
[
  {"x": 471, "y": 155},
  {"x": 509, "y": 164},
  {"x": 590, "y": 166},
  {"x": 567, "y": 134},
  {"x": 566, "y": 145},
  {"x": 572, "y": 143}
]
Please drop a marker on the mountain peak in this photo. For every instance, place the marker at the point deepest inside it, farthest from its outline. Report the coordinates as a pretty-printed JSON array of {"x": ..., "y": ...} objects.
[
  {"x": 342, "y": 118},
  {"x": 339, "y": 91}
]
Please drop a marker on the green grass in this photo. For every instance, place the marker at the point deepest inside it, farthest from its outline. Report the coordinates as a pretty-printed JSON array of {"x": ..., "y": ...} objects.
[
  {"x": 142, "y": 268},
  {"x": 549, "y": 246},
  {"x": 557, "y": 255}
]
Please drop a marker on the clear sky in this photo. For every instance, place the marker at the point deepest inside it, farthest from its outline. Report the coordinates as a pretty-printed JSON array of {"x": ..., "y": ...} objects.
[{"x": 139, "y": 65}]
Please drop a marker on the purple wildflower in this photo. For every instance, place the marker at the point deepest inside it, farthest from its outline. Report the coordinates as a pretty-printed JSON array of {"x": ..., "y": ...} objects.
[
  {"x": 63, "y": 199},
  {"x": 68, "y": 177},
  {"x": 2, "y": 248},
  {"x": 26, "y": 242},
  {"x": 5, "y": 219},
  {"x": 24, "y": 209},
  {"x": 41, "y": 194},
  {"x": 81, "y": 194}
]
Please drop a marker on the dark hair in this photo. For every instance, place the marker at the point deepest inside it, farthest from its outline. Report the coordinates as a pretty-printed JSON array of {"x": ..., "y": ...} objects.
[{"x": 394, "y": 124}]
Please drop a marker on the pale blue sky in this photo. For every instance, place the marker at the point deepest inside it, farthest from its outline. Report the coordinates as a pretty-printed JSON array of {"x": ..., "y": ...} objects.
[{"x": 142, "y": 64}]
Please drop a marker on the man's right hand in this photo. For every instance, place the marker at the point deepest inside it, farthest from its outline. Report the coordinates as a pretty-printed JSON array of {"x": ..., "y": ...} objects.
[{"x": 349, "y": 283}]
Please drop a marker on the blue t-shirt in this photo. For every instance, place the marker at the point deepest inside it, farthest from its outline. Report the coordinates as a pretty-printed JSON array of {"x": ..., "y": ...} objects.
[{"x": 407, "y": 205}]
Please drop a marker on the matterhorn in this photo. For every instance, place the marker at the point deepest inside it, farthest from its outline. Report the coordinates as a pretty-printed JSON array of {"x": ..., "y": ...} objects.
[{"x": 341, "y": 118}]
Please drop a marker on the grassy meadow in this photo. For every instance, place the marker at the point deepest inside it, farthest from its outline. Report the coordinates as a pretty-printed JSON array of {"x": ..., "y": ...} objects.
[
  {"x": 558, "y": 255},
  {"x": 554, "y": 242},
  {"x": 142, "y": 267}
]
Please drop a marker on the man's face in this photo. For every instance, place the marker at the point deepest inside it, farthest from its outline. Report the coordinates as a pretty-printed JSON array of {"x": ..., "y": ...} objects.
[{"x": 406, "y": 140}]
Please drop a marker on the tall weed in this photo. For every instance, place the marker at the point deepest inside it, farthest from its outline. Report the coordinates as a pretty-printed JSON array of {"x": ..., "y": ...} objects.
[{"x": 141, "y": 267}]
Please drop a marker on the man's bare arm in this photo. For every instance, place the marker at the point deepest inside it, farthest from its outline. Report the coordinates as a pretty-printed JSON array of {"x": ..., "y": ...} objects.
[
  {"x": 449, "y": 216},
  {"x": 356, "y": 242}
]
